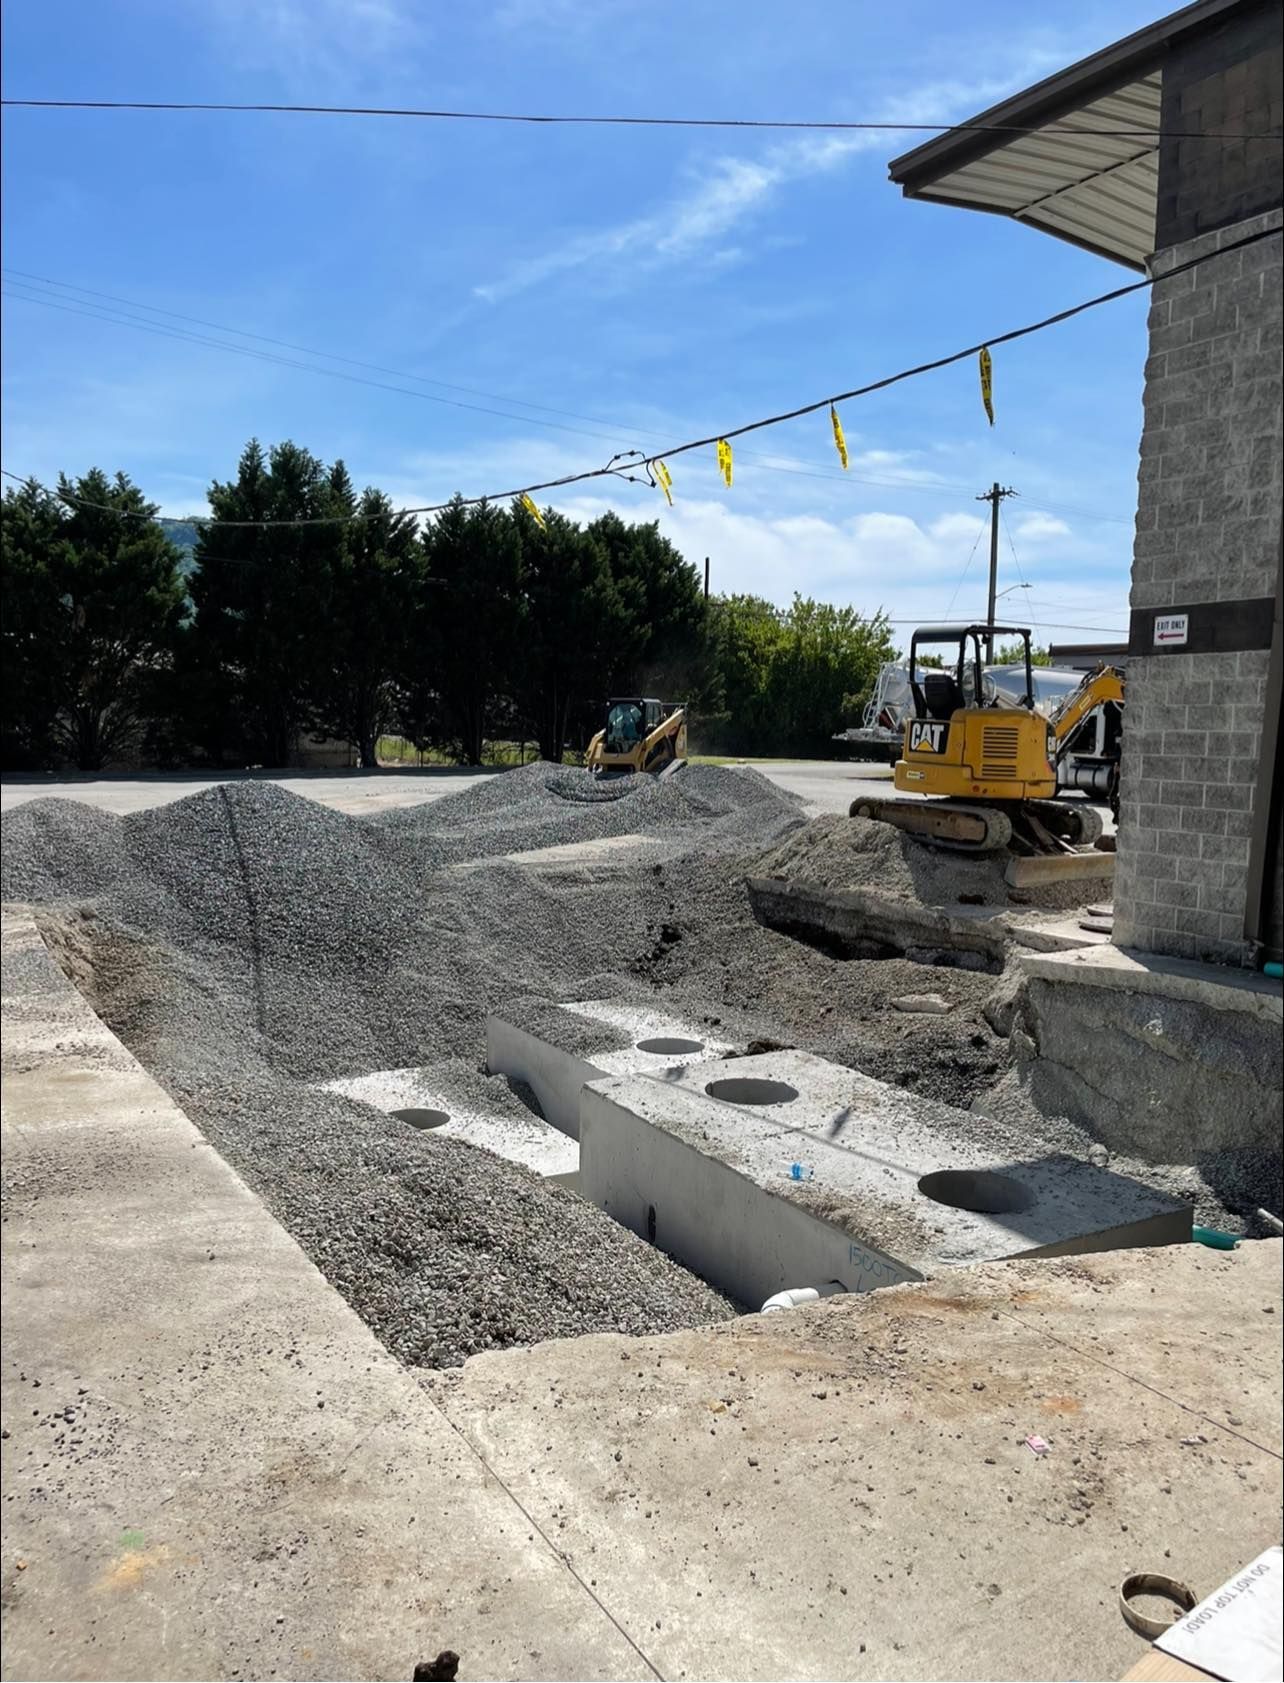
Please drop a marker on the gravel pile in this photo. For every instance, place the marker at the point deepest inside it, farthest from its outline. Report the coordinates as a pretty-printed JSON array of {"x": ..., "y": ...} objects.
[
  {"x": 727, "y": 807},
  {"x": 247, "y": 944},
  {"x": 55, "y": 849}
]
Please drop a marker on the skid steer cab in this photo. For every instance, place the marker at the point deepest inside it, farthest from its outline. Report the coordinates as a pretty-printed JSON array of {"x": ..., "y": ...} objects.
[
  {"x": 957, "y": 744},
  {"x": 639, "y": 734}
]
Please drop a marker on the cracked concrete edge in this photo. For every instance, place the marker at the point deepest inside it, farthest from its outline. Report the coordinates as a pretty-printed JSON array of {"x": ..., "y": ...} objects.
[{"x": 1215, "y": 986}]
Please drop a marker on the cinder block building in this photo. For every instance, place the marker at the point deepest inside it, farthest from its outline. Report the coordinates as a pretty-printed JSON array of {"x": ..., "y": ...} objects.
[{"x": 1188, "y": 172}]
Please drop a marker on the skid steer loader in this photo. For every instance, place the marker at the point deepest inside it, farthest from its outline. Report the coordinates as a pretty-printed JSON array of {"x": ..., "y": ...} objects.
[
  {"x": 988, "y": 768},
  {"x": 639, "y": 735}
]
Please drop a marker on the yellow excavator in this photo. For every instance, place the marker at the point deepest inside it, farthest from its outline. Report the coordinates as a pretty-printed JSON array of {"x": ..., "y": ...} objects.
[
  {"x": 991, "y": 767},
  {"x": 640, "y": 735}
]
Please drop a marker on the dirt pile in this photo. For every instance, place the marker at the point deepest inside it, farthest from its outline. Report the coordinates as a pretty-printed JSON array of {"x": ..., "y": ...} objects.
[{"x": 836, "y": 852}]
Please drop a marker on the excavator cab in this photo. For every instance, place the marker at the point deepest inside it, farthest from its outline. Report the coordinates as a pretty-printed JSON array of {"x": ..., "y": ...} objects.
[
  {"x": 959, "y": 744},
  {"x": 639, "y": 734}
]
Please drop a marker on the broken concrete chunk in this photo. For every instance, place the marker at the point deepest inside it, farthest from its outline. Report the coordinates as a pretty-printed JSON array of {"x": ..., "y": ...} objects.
[{"x": 922, "y": 1004}]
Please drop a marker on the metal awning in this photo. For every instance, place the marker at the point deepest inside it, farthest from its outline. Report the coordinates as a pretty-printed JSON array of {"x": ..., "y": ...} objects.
[{"x": 1097, "y": 191}]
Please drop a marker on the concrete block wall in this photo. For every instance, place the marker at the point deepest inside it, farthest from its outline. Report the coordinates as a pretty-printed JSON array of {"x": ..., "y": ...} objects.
[
  {"x": 1208, "y": 531},
  {"x": 1226, "y": 79}
]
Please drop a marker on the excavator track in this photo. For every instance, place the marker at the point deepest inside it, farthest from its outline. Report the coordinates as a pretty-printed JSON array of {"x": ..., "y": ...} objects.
[
  {"x": 1075, "y": 822},
  {"x": 1024, "y": 827},
  {"x": 952, "y": 824}
]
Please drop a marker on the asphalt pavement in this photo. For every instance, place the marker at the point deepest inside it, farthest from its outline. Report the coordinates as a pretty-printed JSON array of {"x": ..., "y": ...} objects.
[{"x": 825, "y": 785}]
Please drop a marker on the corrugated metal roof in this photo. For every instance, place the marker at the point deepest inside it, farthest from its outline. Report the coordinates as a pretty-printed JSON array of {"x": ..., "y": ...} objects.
[{"x": 1098, "y": 191}]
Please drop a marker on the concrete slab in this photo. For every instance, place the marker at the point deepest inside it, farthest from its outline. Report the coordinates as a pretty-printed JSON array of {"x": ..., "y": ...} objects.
[
  {"x": 1213, "y": 985},
  {"x": 1161, "y": 1058},
  {"x": 853, "y": 1496},
  {"x": 528, "y": 1140},
  {"x": 784, "y": 1170},
  {"x": 211, "y": 1467},
  {"x": 1059, "y": 934},
  {"x": 556, "y": 1053}
]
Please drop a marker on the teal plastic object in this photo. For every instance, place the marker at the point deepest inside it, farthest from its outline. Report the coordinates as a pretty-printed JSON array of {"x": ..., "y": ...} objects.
[
  {"x": 1214, "y": 1238},
  {"x": 1273, "y": 968}
]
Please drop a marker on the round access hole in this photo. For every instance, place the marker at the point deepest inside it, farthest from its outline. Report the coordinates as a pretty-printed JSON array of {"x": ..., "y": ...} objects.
[
  {"x": 670, "y": 1045},
  {"x": 749, "y": 1089},
  {"x": 976, "y": 1189},
  {"x": 422, "y": 1118}
]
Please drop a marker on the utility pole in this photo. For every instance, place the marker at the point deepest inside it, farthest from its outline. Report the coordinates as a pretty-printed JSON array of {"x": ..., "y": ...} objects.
[
  {"x": 706, "y": 578},
  {"x": 994, "y": 496}
]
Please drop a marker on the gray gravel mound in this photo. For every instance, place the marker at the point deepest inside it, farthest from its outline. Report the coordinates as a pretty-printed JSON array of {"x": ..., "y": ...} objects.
[
  {"x": 55, "y": 849},
  {"x": 542, "y": 805},
  {"x": 443, "y": 1248},
  {"x": 246, "y": 944}
]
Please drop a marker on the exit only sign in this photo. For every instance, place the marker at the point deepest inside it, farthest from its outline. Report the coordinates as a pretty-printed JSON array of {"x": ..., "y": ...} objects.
[{"x": 1171, "y": 630}]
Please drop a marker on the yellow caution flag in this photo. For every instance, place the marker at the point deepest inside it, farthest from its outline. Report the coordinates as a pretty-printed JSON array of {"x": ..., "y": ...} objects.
[
  {"x": 532, "y": 509},
  {"x": 839, "y": 440},
  {"x": 664, "y": 479},
  {"x": 987, "y": 385},
  {"x": 724, "y": 459}
]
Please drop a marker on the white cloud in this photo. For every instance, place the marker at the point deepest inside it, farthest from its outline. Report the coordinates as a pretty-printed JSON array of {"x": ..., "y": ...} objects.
[
  {"x": 707, "y": 207},
  {"x": 1040, "y": 528},
  {"x": 304, "y": 40}
]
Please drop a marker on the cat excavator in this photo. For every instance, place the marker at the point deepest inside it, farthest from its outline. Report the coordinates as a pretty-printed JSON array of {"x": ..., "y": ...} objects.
[
  {"x": 640, "y": 735},
  {"x": 990, "y": 767}
]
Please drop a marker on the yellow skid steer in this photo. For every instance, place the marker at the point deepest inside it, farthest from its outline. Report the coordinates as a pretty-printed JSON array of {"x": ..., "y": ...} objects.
[{"x": 640, "y": 735}]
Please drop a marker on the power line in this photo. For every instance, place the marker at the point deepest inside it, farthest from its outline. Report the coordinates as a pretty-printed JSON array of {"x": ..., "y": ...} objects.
[
  {"x": 239, "y": 560},
  {"x": 632, "y": 465},
  {"x": 93, "y": 311},
  {"x": 116, "y": 319},
  {"x": 548, "y": 120},
  {"x": 967, "y": 567}
]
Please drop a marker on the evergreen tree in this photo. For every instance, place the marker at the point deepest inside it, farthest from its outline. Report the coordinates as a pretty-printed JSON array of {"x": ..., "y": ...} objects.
[
  {"x": 376, "y": 583},
  {"x": 262, "y": 597},
  {"x": 469, "y": 618},
  {"x": 573, "y": 629},
  {"x": 92, "y": 603},
  {"x": 667, "y": 651}
]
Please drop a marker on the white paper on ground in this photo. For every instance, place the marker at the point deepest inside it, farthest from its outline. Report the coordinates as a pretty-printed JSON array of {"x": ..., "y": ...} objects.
[{"x": 1236, "y": 1632}]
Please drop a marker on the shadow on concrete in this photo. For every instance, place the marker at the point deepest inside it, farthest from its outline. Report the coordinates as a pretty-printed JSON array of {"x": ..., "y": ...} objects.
[{"x": 1054, "y": 1193}]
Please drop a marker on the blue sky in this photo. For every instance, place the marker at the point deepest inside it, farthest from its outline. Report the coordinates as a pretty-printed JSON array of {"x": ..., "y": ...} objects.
[{"x": 649, "y": 284}]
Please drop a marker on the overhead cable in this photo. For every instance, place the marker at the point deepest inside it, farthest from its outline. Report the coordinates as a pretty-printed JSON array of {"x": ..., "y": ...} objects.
[
  {"x": 635, "y": 465},
  {"x": 549, "y": 119},
  {"x": 93, "y": 311}
]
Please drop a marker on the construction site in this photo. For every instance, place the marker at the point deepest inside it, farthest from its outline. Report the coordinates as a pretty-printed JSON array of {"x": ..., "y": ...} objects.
[
  {"x": 653, "y": 1216},
  {"x": 392, "y": 1203}
]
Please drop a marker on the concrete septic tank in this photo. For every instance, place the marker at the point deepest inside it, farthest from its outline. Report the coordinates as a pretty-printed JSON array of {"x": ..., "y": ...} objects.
[
  {"x": 403, "y": 1095},
  {"x": 556, "y": 1049},
  {"x": 828, "y": 1176}
]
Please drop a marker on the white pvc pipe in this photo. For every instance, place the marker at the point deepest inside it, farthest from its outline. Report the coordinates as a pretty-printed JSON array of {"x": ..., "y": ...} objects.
[{"x": 799, "y": 1295}]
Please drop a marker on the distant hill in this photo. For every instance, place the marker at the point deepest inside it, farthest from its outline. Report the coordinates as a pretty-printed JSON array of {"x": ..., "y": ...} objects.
[{"x": 183, "y": 537}]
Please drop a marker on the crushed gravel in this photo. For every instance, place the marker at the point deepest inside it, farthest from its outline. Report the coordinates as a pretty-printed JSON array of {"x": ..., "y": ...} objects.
[{"x": 247, "y": 944}]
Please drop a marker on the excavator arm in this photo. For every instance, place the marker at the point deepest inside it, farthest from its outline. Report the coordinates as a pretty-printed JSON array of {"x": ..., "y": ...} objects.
[{"x": 1106, "y": 684}]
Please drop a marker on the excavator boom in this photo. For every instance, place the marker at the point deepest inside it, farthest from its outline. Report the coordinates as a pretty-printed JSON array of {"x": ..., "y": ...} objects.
[{"x": 1105, "y": 684}]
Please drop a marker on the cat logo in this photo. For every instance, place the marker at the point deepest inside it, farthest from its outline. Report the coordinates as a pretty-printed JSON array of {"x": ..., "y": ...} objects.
[{"x": 926, "y": 736}]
